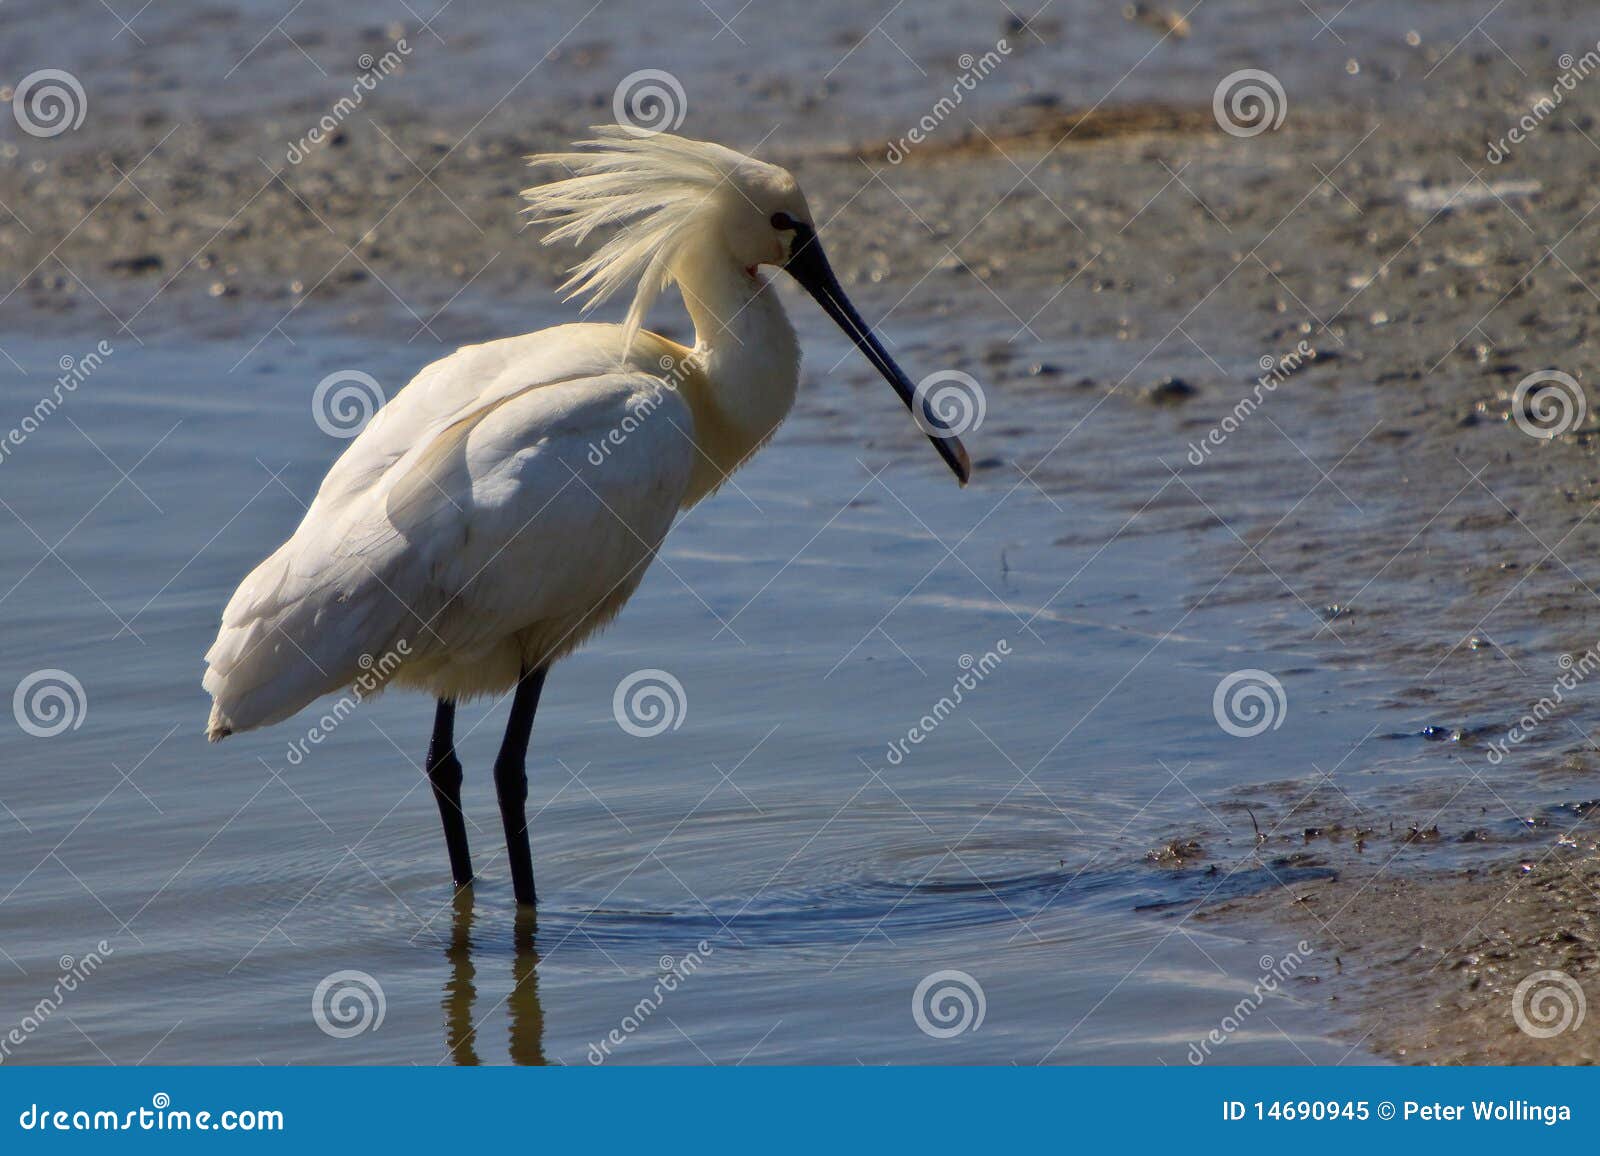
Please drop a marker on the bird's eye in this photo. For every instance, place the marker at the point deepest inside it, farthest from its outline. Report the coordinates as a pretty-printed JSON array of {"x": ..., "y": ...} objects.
[{"x": 784, "y": 221}]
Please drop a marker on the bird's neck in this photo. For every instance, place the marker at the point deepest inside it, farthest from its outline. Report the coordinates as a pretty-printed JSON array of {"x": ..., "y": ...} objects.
[{"x": 749, "y": 365}]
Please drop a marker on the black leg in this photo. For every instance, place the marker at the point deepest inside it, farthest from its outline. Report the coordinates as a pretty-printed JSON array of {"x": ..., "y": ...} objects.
[
  {"x": 511, "y": 782},
  {"x": 444, "y": 772}
]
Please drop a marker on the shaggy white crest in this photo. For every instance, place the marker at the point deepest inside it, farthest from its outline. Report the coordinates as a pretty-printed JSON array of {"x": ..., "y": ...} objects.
[{"x": 662, "y": 194}]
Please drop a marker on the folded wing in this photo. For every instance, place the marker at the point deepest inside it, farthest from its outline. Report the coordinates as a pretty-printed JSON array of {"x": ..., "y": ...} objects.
[{"x": 510, "y": 486}]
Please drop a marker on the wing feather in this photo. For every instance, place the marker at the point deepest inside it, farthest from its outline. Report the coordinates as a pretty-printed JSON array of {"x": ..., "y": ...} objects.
[{"x": 469, "y": 509}]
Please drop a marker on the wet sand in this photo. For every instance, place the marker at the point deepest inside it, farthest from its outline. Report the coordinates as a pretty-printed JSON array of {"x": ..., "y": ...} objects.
[{"x": 1432, "y": 962}]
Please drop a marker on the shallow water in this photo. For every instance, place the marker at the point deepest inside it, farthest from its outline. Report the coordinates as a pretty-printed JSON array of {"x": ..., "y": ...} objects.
[{"x": 812, "y": 614}]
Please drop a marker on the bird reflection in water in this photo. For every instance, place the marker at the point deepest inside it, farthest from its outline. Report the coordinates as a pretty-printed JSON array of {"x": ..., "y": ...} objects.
[{"x": 460, "y": 998}]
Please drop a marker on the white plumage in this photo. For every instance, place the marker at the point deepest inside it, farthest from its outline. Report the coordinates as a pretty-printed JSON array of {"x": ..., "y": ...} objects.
[
  {"x": 505, "y": 504},
  {"x": 465, "y": 530}
]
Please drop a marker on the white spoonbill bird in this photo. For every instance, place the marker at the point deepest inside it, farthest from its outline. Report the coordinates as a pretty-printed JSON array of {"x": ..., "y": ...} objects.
[{"x": 505, "y": 504}]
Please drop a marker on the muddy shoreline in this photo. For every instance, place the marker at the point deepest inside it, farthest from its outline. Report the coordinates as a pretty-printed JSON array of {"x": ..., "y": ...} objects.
[{"x": 1462, "y": 967}]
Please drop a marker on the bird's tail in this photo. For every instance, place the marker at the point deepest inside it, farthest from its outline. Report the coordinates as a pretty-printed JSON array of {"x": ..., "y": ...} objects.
[
  {"x": 219, "y": 726},
  {"x": 284, "y": 644}
]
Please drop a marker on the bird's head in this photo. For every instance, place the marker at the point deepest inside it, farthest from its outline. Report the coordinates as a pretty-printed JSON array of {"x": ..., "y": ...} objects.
[
  {"x": 666, "y": 196},
  {"x": 759, "y": 208}
]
